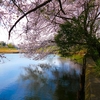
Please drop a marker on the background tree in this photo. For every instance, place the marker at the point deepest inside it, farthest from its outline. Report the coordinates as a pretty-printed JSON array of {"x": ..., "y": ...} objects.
[
  {"x": 2, "y": 44},
  {"x": 81, "y": 32},
  {"x": 10, "y": 45}
]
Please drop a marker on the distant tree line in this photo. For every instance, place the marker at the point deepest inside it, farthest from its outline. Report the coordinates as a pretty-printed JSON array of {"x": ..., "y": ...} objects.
[{"x": 9, "y": 45}]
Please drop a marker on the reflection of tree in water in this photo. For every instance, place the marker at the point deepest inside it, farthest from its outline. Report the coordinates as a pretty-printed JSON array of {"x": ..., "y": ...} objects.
[
  {"x": 46, "y": 83},
  {"x": 67, "y": 88},
  {"x": 32, "y": 98}
]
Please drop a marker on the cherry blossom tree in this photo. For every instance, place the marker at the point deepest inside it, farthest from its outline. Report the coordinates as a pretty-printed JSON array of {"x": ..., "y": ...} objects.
[{"x": 37, "y": 21}]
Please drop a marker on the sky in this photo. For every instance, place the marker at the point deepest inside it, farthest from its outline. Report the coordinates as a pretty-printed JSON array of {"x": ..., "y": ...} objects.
[
  {"x": 14, "y": 37},
  {"x": 4, "y": 37}
]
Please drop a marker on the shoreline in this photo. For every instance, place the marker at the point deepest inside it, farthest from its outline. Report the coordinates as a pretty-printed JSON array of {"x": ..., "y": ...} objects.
[{"x": 8, "y": 50}]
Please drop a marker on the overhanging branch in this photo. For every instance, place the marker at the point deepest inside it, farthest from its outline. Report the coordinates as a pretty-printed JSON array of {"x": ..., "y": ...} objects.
[
  {"x": 61, "y": 6},
  {"x": 17, "y": 6},
  {"x": 30, "y": 11}
]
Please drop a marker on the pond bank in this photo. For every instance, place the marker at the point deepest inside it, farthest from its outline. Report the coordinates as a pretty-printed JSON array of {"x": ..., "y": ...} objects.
[
  {"x": 9, "y": 50},
  {"x": 92, "y": 83}
]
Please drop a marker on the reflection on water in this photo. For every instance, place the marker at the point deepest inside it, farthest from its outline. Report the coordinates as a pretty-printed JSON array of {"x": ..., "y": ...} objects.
[{"x": 51, "y": 78}]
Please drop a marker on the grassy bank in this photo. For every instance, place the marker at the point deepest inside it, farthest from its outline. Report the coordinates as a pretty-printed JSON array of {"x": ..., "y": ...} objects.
[
  {"x": 8, "y": 50},
  {"x": 97, "y": 68},
  {"x": 78, "y": 57}
]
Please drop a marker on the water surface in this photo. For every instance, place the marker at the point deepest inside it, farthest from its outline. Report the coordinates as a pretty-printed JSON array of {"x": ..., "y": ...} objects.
[{"x": 51, "y": 78}]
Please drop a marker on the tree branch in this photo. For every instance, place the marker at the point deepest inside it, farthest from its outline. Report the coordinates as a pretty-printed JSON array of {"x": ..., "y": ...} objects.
[
  {"x": 17, "y": 6},
  {"x": 61, "y": 6},
  {"x": 64, "y": 18},
  {"x": 32, "y": 10}
]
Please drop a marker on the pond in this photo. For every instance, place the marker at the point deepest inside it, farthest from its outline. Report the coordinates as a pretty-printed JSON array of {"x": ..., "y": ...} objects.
[{"x": 51, "y": 78}]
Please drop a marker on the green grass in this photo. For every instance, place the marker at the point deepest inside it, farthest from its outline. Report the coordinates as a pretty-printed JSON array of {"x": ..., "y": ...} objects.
[
  {"x": 8, "y": 50},
  {"x": 78, "y": 57},
  {"x": 97, "y": 68}
]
